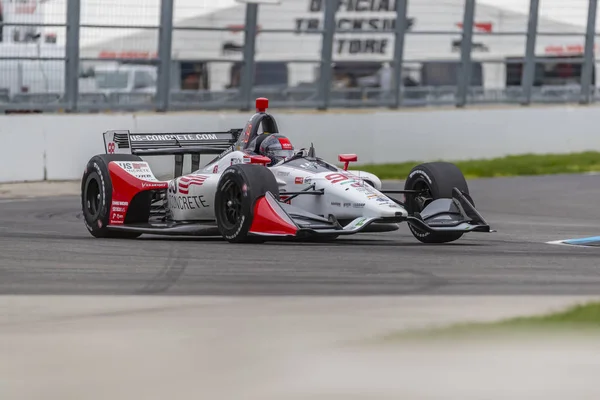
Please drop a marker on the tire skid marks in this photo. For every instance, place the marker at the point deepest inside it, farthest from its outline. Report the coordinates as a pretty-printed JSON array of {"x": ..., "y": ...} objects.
[{"x": 175, "y": 265}]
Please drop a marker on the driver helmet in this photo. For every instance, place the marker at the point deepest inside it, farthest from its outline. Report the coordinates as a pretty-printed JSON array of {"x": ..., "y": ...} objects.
[{"x": 277, "y": 147}]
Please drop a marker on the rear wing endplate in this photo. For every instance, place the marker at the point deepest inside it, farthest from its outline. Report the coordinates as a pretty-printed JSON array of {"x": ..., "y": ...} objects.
[{"x": 177, "y": 144}]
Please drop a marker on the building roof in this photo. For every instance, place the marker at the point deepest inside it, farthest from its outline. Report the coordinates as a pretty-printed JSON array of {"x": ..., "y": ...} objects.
[{"x": 369, "y": 44}]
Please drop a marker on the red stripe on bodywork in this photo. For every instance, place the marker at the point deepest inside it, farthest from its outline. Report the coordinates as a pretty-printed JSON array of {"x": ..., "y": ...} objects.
[
  {"x": 268, "y": 221},
  {"x": 186, "y": 182},
  {"x": 125, "y": 187}
]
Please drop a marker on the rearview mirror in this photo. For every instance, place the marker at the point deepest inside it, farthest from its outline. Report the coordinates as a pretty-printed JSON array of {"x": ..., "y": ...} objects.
[{"x": 347, "y": 159}]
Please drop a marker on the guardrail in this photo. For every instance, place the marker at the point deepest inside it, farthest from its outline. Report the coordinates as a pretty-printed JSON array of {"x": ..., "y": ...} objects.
[
  {"x": 57, "y": 146},
  {"x": 306, "y": 97}
]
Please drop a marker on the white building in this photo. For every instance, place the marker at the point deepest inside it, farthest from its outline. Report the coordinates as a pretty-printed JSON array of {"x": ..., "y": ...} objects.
[
  {"x": 204, "y": 48},
  {"x": 367, "y": 16}
]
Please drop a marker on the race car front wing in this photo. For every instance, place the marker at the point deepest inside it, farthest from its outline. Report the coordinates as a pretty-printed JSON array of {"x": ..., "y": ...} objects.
[
  {"x": 456, "y": 215},
  {"x": 274, "y": 218},
  {"x": 442, "y": 215}
]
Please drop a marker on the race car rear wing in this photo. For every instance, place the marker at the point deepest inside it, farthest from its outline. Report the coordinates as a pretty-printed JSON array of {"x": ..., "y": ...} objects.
[{"x": 177, "y": 144}]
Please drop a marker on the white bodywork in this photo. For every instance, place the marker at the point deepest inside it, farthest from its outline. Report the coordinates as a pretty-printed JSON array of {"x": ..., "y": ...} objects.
[{"x": 346, "y": 195}]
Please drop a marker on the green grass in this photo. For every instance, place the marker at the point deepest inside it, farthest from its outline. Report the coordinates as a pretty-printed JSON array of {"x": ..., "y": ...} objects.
[
  {"x": 520, "y": 165},
  {"x": 584, "y": 318}
]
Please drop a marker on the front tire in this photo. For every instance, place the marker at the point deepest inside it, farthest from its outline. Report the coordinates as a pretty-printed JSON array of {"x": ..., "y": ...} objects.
[
  {"x": 96, "y": 196},
  {"x": 238, "y": 189},
  {"x": 437, "y": 179}
]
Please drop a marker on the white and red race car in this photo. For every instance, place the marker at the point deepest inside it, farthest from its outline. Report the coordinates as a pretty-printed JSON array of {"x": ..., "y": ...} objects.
[{"x": 238, "y": 197}]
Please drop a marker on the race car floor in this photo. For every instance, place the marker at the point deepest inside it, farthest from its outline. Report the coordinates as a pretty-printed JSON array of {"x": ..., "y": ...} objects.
[{"x": 158, "y": 317}]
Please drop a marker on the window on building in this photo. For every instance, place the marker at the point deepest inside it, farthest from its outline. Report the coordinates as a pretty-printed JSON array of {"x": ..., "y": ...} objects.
[
  {"x": 446, "y": 73},
  {"x": 266, "y": 73},
  {"x": 559, "y": 71}
]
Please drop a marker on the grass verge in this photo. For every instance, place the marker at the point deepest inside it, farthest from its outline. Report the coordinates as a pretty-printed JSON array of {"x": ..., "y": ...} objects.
[
  {"x": 583, "y": 318},
  {"x": 519, "y": 165}
]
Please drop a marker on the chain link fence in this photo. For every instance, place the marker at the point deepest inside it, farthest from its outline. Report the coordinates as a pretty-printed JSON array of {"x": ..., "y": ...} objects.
[{"x": 164, "y": 55}]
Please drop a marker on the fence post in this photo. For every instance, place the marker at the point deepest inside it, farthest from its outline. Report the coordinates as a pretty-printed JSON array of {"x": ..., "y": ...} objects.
[
  {"x": 589, "y": 57},
  {"x": 325, "y": 72},
  {"x": 466, "y": 45},
  {"x": 72, "y": 55},
  {"x": 400, "y": 34},
  {"x": 165, "y": 43},
  {"x": 250, "y": 30},
  {"x": 529, "y": 69}
]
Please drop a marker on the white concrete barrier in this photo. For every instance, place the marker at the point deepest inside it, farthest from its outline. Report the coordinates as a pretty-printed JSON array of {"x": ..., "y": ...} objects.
[{"x": 57, "y": 147}]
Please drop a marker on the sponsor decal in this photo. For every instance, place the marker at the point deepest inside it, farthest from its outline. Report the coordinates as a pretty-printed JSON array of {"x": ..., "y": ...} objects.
[
  {"x": 247, "y": 160},
  {"x": 336, "y": 204},
  {"x": 180, "y": 138},
  {"x": 187, "y": 181},
  {"x": 118, "y": 210},
  {"x": 336, "y": 178},
  {"x": 153, "y": 185},
  {"x": 216, "y": 169},
  {"x": 419, "y": 172},
  {"x": 358, "y": 205},
  {"x": 172, "y": 187},
  {"x": 118, "y": 217},
  {"x": 282, "y": 173},
  {"x": 97, "y": 168},
  {"x": 307, "y": 180},
  {"x": 299, "y": 180},
  {"x": 187, "y": 202},
  {"x": 235, "y": 161},
  {"x": 134, "y": 166},
  {"x": 285, "y": 144},
  {"x": 343, "y": 179},
  {"x": 346, "y": 205},
  {"x": 140, "y": 170},
  {"x": 239, "y": 229},
  {"x": 111, "y": 147},
  {"x": 223, "y": 154},
  {"x": 357, "y": 223},
  {"x": 285, "y": 199}
]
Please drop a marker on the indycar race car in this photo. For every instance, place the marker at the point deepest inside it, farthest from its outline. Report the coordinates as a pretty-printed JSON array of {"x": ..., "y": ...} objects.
[{"x": 244, "y": 196}]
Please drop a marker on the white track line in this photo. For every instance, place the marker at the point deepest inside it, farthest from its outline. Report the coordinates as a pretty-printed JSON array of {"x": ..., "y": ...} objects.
[{"x": 562, "y": 243}]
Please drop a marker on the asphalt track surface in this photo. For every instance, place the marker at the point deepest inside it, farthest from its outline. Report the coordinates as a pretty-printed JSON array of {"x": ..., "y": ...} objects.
[{"x": 45, "y": 249}]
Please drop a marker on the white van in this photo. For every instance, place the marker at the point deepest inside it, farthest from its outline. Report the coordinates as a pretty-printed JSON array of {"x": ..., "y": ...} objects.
[
  {"x": 34, "y": 74},
  {"x": 122, "y": 78}
]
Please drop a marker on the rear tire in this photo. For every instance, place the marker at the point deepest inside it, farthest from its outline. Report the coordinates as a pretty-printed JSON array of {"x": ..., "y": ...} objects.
[
  {"x": 439, "y": 179},
  {"x": 96, "y": 196},
  {"x": 238, "y": 189}
]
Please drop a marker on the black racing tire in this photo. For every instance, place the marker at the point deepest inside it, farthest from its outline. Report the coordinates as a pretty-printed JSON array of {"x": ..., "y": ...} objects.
[
  {"x": 96, "y": 196},
  {"x": 439, "y": 179},
  {"x": 242, "y": 185}
]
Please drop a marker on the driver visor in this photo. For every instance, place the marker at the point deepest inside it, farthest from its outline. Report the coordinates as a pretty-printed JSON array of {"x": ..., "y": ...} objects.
[{"x": 280, "y": 153}]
